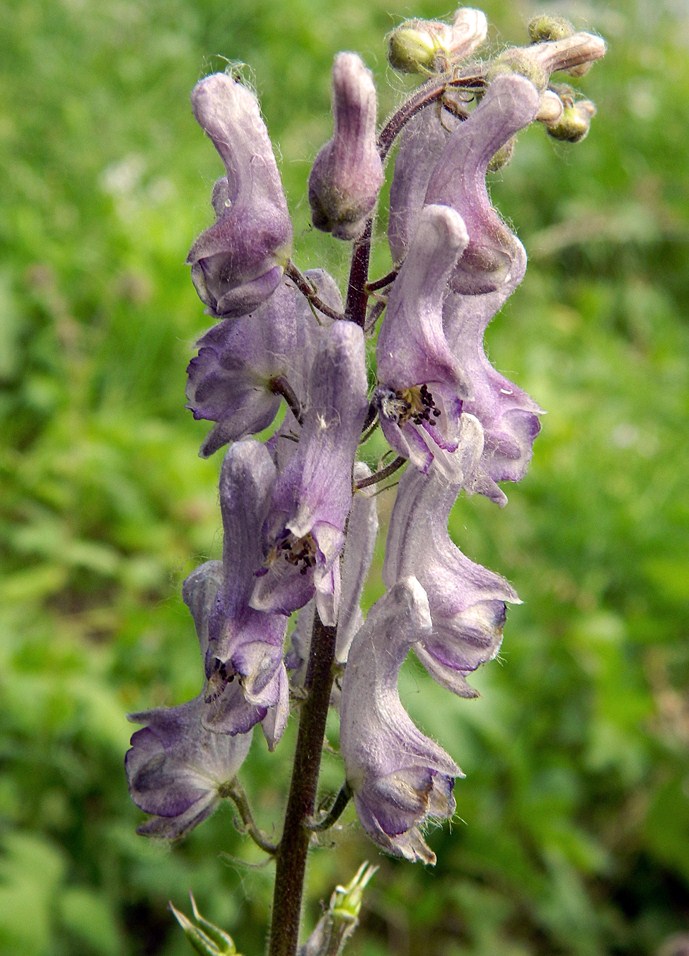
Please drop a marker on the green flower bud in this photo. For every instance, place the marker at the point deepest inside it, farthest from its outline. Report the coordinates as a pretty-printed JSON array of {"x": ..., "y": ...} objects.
[
  {"x": 518, "y": 61},
  {"x": 575, "y": 122},
  {"x": 417, "y": 46},
  {"x": 503, "y": 156},
  {"x": 544, "y": 28}
]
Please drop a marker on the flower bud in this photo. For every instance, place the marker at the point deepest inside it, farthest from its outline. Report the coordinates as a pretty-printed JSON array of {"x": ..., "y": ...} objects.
[
  {"x": 417, "y": 45},
  {"x": 575, "y": 122},
  {"x": 550, "y": 108},
  {"x": 348, "y": 172},
  {"x": 545, "y": 27},
  {"x": 205, "y": 937},
  {"x": 430, "y": 46}
]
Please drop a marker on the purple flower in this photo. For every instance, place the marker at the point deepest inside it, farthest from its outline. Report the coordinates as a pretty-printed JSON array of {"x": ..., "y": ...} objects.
[
  {"x": 399, "y": 778},
  {"x": 434, "y": 166},
  {"x": 231, "y": 380},
  {"x": 244, "y": 665},
  {"x": 421, "y": 385},
  {"x": 236, "y": 378},
  {"x": 304, "y": 531},
  {"x": 238, "y": 262},
  {"x": 490, "y": 270},
  {"x": 466, "y": 601},
  {"x": 459, "y": 180},
  {"x": 347, "y": 173},
  {"x": 178, "y": 770},
  {"x": 362, "y": 531}
]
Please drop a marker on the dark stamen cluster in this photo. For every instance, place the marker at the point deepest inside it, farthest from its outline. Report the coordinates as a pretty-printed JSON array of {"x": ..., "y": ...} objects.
[{"x": 299, "y": 551}]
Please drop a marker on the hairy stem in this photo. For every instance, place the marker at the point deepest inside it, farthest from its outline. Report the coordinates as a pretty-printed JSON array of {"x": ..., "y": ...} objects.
[{"x": 301, "y": 803}]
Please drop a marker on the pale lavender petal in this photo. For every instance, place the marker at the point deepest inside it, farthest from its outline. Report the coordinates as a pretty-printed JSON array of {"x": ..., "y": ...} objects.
[
  {"x": 421, "y": 385},
  {"x": 232, "y": 379},
  {"x": 177, "y": 770},
  {"x": 458, "y": 180},
  {"x": 466, "y": 601},
  {"x": 347, "y": 173},
  {"x": 244, "y": 644},
  {"x": 304, "y": 532},
  {"x": 399, "y": 778},
  {"x": 238, "y": 262}
]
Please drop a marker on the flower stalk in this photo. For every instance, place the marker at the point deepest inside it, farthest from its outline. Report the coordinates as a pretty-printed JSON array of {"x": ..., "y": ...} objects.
[{"x": 287, "y": 356}]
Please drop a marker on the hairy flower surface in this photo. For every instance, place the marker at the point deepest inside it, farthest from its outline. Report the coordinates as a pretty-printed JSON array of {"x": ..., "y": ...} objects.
[
  {"x": 347, "y": 173},
  {"x": 450, "y": 167},
  {"x": 362, "y": 530},
  {"x": 399, "y": 778},
  {"x": 420, "y": 383},
  {"x": 238, "y": 262},
  {"x": 304, "y": 531},
  {"x": 177, "y": 769},
  {"x": 244, "y": 665},
  {"x": 466, "y": 601}
]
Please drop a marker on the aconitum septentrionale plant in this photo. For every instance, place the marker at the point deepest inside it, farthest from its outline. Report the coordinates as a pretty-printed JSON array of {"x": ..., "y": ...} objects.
[{"x": 299, "y": 509}]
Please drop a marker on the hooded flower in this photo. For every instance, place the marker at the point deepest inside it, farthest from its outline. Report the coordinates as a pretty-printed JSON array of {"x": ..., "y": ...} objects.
[
  {"x": 399, "y": 778},
  {"x": 238, "y": 262},
  {"x": 362, "y": 530},
  {"x": 466, "y": 601},
  {"x": 178, "y": 770},
  {"x": 304, "y": 532},
  {"x": 491, "y": 268},
  {"x": 244, "y": 665},
  {"x": 347, "y": 173},
  {"x": 421, "y": 386},
  {"x": 242, "y": 364},
  {"x": 496, "y": 265}
]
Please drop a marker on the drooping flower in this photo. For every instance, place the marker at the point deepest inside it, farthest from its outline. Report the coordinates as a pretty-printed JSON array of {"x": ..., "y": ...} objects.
[
  {"x": 362, "y": 530},
  {"x": 304, "y": 532},
  {"x": 420, "y": 384},
  {"x": 244, "y": 664},
  {"x": 348, "y": 172},
  {"x": 400, "y": 779},
  {"x": 238, "y": 262},
  {"x": 243, "y": 364},
  {"x": 178, "y": 770},
  {"x": 439, "y": 166},
  {"x": 466, "y": 601}
]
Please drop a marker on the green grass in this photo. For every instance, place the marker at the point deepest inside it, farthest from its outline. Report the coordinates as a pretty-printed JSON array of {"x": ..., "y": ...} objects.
[{"x": 574, "y": 814}]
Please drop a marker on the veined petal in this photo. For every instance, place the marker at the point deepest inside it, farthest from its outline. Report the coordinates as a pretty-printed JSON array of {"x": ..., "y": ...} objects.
[
  {"x": 399, "y": 778},
  {"x": 244, "y": 643},
  {"x": 348, "y": 172},
  {"x": 421, "y": 385},
  {"x": 466, "y": 601},
  {"x": 177, "y": 769},
  {"x": 458, "y": 180},
  {"x": 304, "y": 532},
  {"x": 238, "y": 262}
]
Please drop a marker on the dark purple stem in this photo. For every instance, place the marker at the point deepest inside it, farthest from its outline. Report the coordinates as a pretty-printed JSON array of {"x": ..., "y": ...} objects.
[{"x": 301, "y": 803}]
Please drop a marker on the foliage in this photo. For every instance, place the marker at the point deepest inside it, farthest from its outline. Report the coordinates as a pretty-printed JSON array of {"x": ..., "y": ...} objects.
[{"x": 574, "y": 814}]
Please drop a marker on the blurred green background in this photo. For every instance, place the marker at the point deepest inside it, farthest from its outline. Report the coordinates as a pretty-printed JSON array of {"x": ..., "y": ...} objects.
[{"x": 573, "y": 828}]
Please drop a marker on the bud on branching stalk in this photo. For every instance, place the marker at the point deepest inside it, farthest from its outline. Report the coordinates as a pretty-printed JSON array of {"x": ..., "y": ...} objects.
[
  {"x": 348, "y": 173},
  {"x": 287, "y": 357}
]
